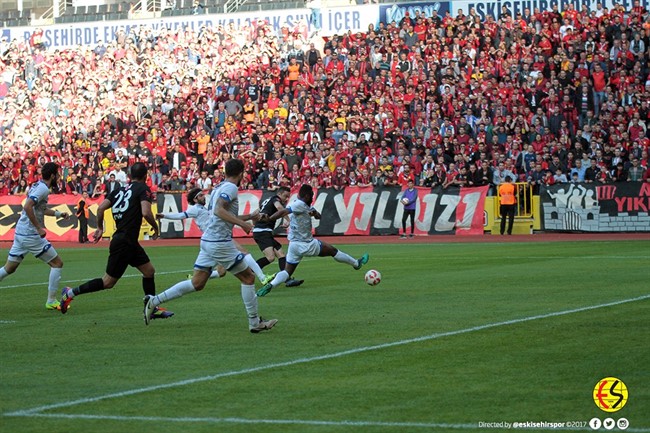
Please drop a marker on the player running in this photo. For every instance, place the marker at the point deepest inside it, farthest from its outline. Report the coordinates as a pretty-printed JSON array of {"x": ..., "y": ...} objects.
[
  {"x": 218, "y": 248},
  {"x": 29, "y": 236},
  {"x": 301, "y": 241},
  {"x": 201, "y": 216},
  {"x": 263, "y": 234},
  {"x": 129, "y": 204}
]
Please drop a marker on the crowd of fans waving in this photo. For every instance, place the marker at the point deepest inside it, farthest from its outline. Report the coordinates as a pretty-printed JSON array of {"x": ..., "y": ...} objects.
[{"x": 545, "y": 97}]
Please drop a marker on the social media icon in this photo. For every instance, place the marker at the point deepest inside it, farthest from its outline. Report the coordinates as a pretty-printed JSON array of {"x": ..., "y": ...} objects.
[
  {"x": 609, "y": 424},
  {"x": 622, "y": 423},
  {"x": 595, "y": 423}
]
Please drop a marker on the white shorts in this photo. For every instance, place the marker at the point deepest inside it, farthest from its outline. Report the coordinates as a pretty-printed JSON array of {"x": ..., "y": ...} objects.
[
  {"x": 225, "y": 254},
  {"x": 36, "y": 245},
  {"x": 298, "y": 250}
]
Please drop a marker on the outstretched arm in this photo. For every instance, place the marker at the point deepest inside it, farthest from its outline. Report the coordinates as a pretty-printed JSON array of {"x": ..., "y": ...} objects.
[
  {"x": 279, "y": 214},
  {"x": 51, "y": 212},
  {"x": 190, "y": 212},
  {"x": 279, "y": 207},
  {"x": 172, "y": 216},
  {"x": 255, "y": 216}
]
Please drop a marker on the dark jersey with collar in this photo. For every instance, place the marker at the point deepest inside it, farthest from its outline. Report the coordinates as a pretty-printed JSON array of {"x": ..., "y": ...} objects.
[
  {"x": 127, "y": 210},
  {"x": 267, "y": 207}
]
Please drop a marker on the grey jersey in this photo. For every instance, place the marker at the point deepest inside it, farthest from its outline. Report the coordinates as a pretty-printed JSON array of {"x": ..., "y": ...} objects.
[
  {"x": 38, "y": 193},
  {"x": 217, "y": 229},
  {"x": 300, "y": 225}
]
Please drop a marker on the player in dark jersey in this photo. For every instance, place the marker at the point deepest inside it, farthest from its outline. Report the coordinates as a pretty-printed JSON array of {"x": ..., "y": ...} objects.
[
  {"x": 129, "y": 204},
  {"x": 263, "y": 234}
]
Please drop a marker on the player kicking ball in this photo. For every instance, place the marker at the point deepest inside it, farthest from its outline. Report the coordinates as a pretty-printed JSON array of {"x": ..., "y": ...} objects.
[
  {"x": 263, "y": 234},
  {"x": 197, "y": 210},
  {"x": 301, "y": 241}
]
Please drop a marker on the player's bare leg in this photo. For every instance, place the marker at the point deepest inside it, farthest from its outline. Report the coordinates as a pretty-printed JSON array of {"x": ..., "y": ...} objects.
[
  {"x": 197, "y": 283},
  {"x": 252, "y": 264},
  {"x": 280, "y": 278},
  {"x": 329, "y": 250},
  {"x": 256, "y": 324}
]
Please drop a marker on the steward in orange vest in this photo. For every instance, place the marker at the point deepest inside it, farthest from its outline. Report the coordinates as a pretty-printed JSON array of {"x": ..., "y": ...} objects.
[{"x": 508, "y": 203}]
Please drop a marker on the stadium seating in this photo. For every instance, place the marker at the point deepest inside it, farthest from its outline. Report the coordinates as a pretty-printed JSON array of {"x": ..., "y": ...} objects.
[
  {"x": 15, "y": 18},
  {"x": 255, "y": 5}
]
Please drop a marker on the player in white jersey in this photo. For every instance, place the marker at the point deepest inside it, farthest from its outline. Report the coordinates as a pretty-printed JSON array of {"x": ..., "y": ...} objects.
[
  {"x": 301, "y": 240},
  {"x": 30, "y": 234},
  {"x": 201, "y": 215},
  {"x": 218, "y": 248}
]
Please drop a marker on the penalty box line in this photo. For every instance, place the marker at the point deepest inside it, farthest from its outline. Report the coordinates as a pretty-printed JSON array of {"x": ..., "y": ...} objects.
[{"x": 37, "y": 410}]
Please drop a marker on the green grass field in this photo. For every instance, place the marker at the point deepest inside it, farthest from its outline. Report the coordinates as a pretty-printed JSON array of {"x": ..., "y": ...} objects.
[{"x": 454, "y": 336}]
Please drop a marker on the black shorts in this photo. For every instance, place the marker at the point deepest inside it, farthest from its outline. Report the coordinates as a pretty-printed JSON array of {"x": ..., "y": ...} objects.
[
  {"x": 265, "y": 240},
  {"x": 124, "y": 253}
]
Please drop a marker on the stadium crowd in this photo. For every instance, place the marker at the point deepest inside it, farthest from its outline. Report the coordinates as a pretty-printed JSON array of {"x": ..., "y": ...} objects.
[{"x": 445, "y": 100}]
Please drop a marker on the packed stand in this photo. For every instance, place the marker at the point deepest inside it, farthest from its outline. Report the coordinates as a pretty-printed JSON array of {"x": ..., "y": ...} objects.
[{"x": 445, "y": 100}]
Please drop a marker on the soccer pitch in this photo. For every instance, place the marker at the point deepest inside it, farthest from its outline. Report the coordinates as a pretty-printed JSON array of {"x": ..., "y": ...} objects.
[{"x": 457, "y": 337}]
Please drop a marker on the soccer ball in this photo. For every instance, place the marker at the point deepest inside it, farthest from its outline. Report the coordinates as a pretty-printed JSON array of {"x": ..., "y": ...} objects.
[
  {"x": 372, "y": 277},
  {"x": 405, "y": 201}
]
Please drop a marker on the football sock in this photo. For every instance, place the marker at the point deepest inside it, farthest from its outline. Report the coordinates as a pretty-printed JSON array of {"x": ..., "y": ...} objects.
[
  {"x": 282, "y": 262},
  {"x": 280, "y": 278},
  {"x": 149, "y": 286},
  {"x": 175, "y": 291},
  {"x": 263, "y": 261},
  {"x": 214, "y": 274},
  {"x": 91, "y": 286},
  {"x": 250, "y": 261},
  {"x": 345, "y": 258},
  {"x": 250, "y": 302},
  {"x": 53, "y": 285},
  {"x": 3, "y": 273}
]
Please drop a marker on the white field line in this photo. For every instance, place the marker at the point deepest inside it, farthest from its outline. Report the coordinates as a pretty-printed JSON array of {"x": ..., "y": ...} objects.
[
  {"x": 576, "y": 258},
  {"x": 36, "y": 410},
  {"x": 7, "y": 322},
  {"x": 252, "y": 421},
  {"x": 45, "y": 283},
  {"x": 344, "y": 423}
]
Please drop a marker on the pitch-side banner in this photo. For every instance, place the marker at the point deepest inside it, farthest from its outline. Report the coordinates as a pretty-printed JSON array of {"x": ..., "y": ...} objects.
[
  {"x": 352, "y": 211},
  {"x": 618, "y": 207},
  {"x": 378, "y": 211},
  {"x": 57, "y": 229},
  {"x": 360, "y": 211}
]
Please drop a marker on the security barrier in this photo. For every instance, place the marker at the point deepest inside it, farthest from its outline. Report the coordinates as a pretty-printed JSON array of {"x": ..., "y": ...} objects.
[{"x": 524, "y": 197}]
